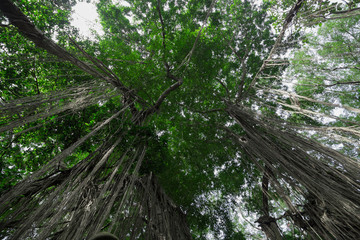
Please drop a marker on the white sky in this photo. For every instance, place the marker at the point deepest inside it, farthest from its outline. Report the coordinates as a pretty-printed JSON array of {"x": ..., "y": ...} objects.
[{"x": 85, "y": 18}]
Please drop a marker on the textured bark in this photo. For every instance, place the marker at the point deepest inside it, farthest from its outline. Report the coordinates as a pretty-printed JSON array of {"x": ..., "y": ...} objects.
[
  {"x": 267, "y": 223},
  {"x": 79, "y": 202},
  {"x": 269, "y": 227},
  {"x": 332, "y": 178}
]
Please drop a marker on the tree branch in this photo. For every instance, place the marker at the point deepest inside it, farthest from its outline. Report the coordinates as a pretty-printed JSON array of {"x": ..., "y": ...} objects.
[
  {"x": 243, "y": 75},
  {"x": 265, "y": 190},
  {"x": 225, "y": 87},
  {"x": 156, "y": 106},
  {"x": 163, "y": 36},
  {"x": 188, "y": 56},
  {"x": 179, "y": 80},
  {"x": 30, "y": 31},
  {"x": 290, "y": 16},
  {"x": 340, "y": 83},
  {"x": 346, "y": 11},
  {"x": 95, "y": 61},
  {"x": 341, "y": 68}
]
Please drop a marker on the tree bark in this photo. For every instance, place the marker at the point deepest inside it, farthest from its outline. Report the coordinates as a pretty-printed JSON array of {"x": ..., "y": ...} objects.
[{"x": 267, "y": 223}]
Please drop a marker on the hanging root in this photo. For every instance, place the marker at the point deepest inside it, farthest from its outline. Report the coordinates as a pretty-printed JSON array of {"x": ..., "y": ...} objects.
[
  {"x": 103, "y": 192},
  {"x": 330, "y": 180}
]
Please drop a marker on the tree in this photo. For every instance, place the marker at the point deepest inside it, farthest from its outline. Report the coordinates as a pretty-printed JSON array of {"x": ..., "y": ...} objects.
[{"x": 189, "y": 92}]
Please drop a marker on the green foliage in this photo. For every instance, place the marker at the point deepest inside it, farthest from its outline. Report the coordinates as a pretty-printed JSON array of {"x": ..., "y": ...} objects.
[
  {"x": 329, "y": 71},
  {"x": 184, "y": 146},
  {"x": 198, "y": 163}
]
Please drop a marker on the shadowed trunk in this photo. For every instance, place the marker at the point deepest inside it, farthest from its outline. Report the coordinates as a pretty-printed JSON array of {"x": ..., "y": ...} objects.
[
  {"x": 308, "y": 168},
  {"x": 267, "y": 223}
]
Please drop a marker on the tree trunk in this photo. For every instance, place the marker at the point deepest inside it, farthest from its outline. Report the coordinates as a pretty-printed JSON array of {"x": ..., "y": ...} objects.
[{"x": 287, "y": 155}]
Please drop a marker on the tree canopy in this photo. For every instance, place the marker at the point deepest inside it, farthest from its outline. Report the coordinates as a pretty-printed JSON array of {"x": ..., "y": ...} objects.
[{"x": 196, "y": 119}]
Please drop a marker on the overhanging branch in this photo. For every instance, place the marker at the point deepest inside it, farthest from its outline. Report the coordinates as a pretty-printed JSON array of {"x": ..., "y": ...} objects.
[
  {"x": 156, "y": 106},
  {"x": 31, "y": 32}
]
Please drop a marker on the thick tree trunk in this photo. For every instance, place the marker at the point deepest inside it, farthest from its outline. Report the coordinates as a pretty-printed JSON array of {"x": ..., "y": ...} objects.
[
  {"x": 267, "y": 223},
  {"x": 269, "y": 227},
  {"x": 287, "y": 155}
]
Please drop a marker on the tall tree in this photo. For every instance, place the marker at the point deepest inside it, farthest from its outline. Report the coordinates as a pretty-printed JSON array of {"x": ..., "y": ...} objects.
[{"x": 180, "y": 103}]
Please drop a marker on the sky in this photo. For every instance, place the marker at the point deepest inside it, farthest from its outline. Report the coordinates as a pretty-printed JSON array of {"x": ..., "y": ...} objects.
[{"x": 86, "y": 18}]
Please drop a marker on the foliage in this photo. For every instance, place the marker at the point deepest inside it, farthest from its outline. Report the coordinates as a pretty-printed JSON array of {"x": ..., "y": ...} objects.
[{"x": 186, "y": 83}]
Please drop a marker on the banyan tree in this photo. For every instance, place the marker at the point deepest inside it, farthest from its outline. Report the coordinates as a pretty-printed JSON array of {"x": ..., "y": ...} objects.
[{"x": 180, "y": 118}]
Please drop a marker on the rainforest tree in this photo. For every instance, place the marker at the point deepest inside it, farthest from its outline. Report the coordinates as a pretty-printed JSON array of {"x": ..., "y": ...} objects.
[{"x": 159, "y": 128}]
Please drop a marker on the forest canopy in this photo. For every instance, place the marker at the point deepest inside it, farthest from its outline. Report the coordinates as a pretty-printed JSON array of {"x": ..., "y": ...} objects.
[{"x": 198, "y": 119}]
